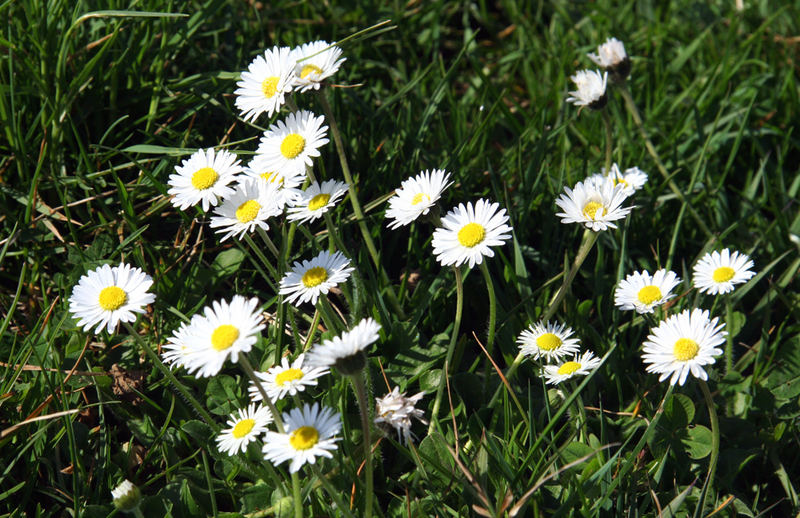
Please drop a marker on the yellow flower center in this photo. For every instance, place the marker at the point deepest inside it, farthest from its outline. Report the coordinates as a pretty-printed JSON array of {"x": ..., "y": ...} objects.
[
  {"x": 618, "y": 180},
  {"x": 270, "y": 86},
  {"x": 304, "y": 438},
  {"x": 548, "y": 342},
  {"x": 204, "y": 178},
  {"x": 590, "y": 210},
  {"x": 272, "y": 177},
  {"x": 417, "y": 199},
  {"x": 243, "y": 428},
  {"x": 471, "y": 234},
  {"x": 649, "y": 294},
  {"x": 223, "y": 337},
  {"x": 112, "y": 297},
  {"x": 287, "y": 376},
  {"x": 292, "y": 145},
  {"x": 723, "y": 274},
  {"x": 248, "y": 211},
  {"x": 569, "y": 367},
  {"x": 314, "y": 277},
  {"x": 309, "y": 69},
  {"x": 685, "y": 349},
  {"x": 318, "y": 201}
]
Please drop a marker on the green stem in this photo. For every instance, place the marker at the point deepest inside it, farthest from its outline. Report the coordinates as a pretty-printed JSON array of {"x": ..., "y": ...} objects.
[
  {"x": 137, "y": 512},
  {"x": 263, "y": 258},
  {"x": 268, "y": 242},
  {"x": 172, "y": 379},
  {"x": 492, "y": 315},
  {"x": 450, "y": 349},
  {"x": 247, "y": 367},
  {"x": 609, "y": 140},
  {"x": 637, "y": 119},
  {"x": 729, "y": 343},
  {"x": 712, "y": 462},
  {"x": 332, "y": 491},
  {"x": 328, "y": 314},
  {"x": 297, "y": 497},
  {"x": 360, "y": 388},
  {"x": 312, "y": 330}
]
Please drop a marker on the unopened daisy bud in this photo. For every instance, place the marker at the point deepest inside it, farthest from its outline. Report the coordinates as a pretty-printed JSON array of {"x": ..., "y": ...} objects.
[
  {"x": 611, "y": 55},
  {"x": 126, "y": 496},
  {"x": 591, "y": 90}
]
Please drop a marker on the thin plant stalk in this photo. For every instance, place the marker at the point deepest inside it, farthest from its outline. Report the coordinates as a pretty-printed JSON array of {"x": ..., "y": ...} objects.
[
  {"x": 437, "y": 402},
  {"x": 332, "y": 491},
  {"x": 492, "y": 313},
  {"x": 312, "y": 329},
  {"x": 729, "y": 342},
  {"x": 712, "y": 461},
  {"x": 360, "y": 388},
  {"x": 609, "y": 140},
  {"x": 263, "y": 258},
  {"x": 268, "y": 242}
]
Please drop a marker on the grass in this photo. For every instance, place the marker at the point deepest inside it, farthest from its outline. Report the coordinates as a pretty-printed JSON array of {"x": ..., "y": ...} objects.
[{"x": 98, "y": 103}]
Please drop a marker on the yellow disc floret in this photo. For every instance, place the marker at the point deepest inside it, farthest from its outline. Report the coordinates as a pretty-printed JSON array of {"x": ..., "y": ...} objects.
[
  {"x": 292, "y": 145},
  {"x": 243, "y": 428},
  {"x": 287, "y": 376},
  {"x": 314, "y": 277},
  {"x": 471, "y": 234},
  {"x": 723, "y": 274},
  {"x": 649, "y": 294},
  {"x": 270, "y": 86},
  {"x": 248, "y": 211},
  {"x": 593, "y": 210},
  {"x": 318, "y": 201},
  {"x": 548, "y": 342},
  {"x": 417, "y": 199},
  {"x": 309, "y": 69},
  {"x": 204, "y": 178},
  {"x": 568, "y": 368},
  {"x": 685, "y": 349},
  {"x": 224, "y": 336},
  {"x": 112, "y": 297},
  {"x": 304, "y": 438}
]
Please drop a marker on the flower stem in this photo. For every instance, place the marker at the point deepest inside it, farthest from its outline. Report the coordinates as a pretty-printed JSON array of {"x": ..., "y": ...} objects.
[
  {"x": 360, "y": 388},
  {"x": 729, "y": 343},
  {"x": 312, "y": 329},
  {"x": 296, "y": 496},
  {"x": 609, "y": 140},
  {"x": 648, "y": 144},
  {"x": 450, "y": 349},
  {"x": 712, "y": 462},
  {"x": 268, "y": 242},
  {"x": 263, "y": 258},
  {"x": 332, "y": 491},
  {"x": 492, "y": 315}
]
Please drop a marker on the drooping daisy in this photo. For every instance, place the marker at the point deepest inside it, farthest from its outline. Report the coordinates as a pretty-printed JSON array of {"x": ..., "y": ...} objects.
[
  {"x": 243, "y": 429},
  {"x": 642, "y": 292},
  {"x": 106, "y": 296},
  {"x": 548, "y": 341},
  {"x": 315, "y": 62},
  {"x": 316, "y": 200},
  {"x": 591, "y": 90},
  {"x": 291, "y": 144},
  {"x": 396, "y": 410},
  {"x": 718, "y": 272},
  {"x": 593, "y": 203},
  {"x": 309, "y": 434},
  {"x": 284, "y": 379},
  {"x": 468, "y": 232},
  {"x": 578, "y": 366},
  {"x": 247, "y": 209},
  {"x": 287, "y": 180},
  {"x": 632, "y": 179},
  {"x": 612, "y": 56},
  {"x": 177, "y": 352},
  {"x": 264, "y": 85},
  {"x": 683, "y": 343},
  {"x": 204, "y": 178},
  {"x": 310, "y": 279},
  {"x": 223, "y": 331},
  {"x": 126, "y": 497},
  {"x": 346, "y": 352},
  {"x": 416, "y": 196}
]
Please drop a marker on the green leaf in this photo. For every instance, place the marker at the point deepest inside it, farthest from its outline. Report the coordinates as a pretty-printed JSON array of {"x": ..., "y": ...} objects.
[
  {"x": 784, "y": 381},
  {"x": 574, "y": 451},
  {"x": 198, "y": 430},
  {"x": 678, "y": 411},
  {"x": 228, "y": 261},
  {"x": 697, "y": 442}
]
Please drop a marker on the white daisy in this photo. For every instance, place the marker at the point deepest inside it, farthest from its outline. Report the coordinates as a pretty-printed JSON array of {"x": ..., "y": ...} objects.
[
  {"x": 396, "y": 410},
  {"x": 291, "y": 144},
  {"x": 287, "y": 180},
  {"x": 315, "y": 200},
  {"x": 309, "y": 434},
  {"x": 107, "y": 296},
  {"x": 284, "y": 379},
  {"x": 243, "y": 429},
  {"x": 632, "y": 179},
  {"x": 416, "y": 196},
  {"x": 204, "y": 177},
  {"x": 591, "y": 90},
  {"x": 594, "y": 203},
  {"x": 126, "y": 496},
  {"x": 612, "y": 55},
  {"x": 468, "y": 232},
  {"x": 547, "y": 341},
  {"x": 223, "y": 331},
  {"x": 578, "y": 366},
  {"x": 310, "y": 279},
  {"x": 346, "y": 352},
  {"x": 247, "y": 208},
  {"x": 264, "y": 85},
  {"x": 717, "y": 272},
  {"x": 315, "y": 62},
  {"x": 176, "y": 352},
  {"x": 642, "y": 292},
  {"x": 683, "y": 343}
]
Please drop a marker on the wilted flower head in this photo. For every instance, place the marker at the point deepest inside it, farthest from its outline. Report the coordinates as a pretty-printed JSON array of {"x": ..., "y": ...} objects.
[
  {"x": 611, "y": 55},
  {"x": 591, "y": 90},
  {"x": 126, "y": 496},
  {"x": 396, "y": 410}
]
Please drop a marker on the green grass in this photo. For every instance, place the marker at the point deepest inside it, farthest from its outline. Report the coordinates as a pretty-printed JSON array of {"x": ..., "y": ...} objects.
[{"x": 97, "y": 110}]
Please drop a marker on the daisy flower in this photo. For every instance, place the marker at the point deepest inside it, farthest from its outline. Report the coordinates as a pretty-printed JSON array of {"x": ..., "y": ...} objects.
[
  {"x": 578, "y": 366},
  {"x": 291, "y": 144},
  {"x": 265, "y": 83},
  {"x": 243, "y": 429},
  {"x": 346, "y": 352},
  {"x": 717, "y": 272},
  {"x": 126, "y": 497},
  {"x": 310, "y": 279},
  {"x": 176, "y": 352},
  {"x": 612, "y": 56},
  {"x": 287, "y": 180},
  {"x": 223, "y": 331},
  {"x": 631, "y": 180},
  {"x": 203, "y": 178},
  {"x": 247, "y": 208},
  {"x": 309, "y": 434},
  {"x": 591, "y": 90},
  {"x": 416, "y": 196},
  {"x": 107, "y": 296},
  {"x": 593, "y": 203},
  {"x": 683, "y": 343},
  {"x": 315, "y": 62},
  {"x": 284, "y": 379},
  {"x": 642, "y": 292},
  {"x": 315, "y": 200},
  {"x": 468, "y": 232},
  {"x": 547, "y": 341},
  {"x": 396, "y": 410}
]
